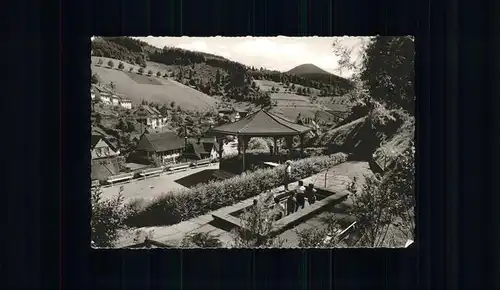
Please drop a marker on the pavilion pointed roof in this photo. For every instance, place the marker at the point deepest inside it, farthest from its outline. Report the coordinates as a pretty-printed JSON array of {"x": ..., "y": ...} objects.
[{"x": 262, "y": 124}]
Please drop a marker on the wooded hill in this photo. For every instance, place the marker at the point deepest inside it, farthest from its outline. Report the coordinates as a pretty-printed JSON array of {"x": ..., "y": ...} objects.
[{"x": 211, "y": 74}]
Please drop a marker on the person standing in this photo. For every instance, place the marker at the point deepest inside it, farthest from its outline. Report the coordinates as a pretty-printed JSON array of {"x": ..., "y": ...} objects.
[
  {"x": 301, "y": 195},
  {"x": 278, "y": 208},
  {"x": 291, "y": 204},
  {"x": 311, "y": 194},
  {"x": 288, "y": 173}
]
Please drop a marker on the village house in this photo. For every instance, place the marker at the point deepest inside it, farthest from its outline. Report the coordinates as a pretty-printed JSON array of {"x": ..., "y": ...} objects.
[
  {"x": 126, "y": 103},
  {"x": 163, "y": 147},
  {"x": 150, "y": 117},
  {"x": 104, "y": 158},
  {"x": 102, "y": 93},
  {"x": 240, "y": 113},
  {"x": 203, "y": 148}
]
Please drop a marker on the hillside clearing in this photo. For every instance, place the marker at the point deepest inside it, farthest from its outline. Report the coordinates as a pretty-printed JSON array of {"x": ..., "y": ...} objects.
[{"x": 169, "y": 90}]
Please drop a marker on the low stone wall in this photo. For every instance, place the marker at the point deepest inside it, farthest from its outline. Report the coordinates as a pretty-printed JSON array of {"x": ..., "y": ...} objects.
[{"x": 289, "y": 221}]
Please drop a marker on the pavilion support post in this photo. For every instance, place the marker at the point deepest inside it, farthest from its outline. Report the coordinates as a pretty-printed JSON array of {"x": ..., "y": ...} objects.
[
  {"x": 244, "y": 145},
  {"x": 238, "y": 138},
  {"x": 220, "y": 142}
]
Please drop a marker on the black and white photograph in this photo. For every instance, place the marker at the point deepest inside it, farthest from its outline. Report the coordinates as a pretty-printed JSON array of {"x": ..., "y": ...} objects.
[{"x": 252, "y": 142}]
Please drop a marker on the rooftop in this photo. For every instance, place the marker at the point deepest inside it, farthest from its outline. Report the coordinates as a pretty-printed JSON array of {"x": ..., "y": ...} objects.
[
  {"x": 262, "y": 124},
  {"x": 160, "y": 142}
]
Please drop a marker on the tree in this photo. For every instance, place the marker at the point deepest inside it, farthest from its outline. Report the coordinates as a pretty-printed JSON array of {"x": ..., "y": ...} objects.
[
  {"x": 388, "y": 71},
  {"x": 150, "y": 72},
  {"x": 217, "y": 77},
  {"x": 95, "y": 78},
  {"x": 201, "y": 240},
  {"x": 323, "y": 238},
  {"x": 112, "y": 85},
  {"x": 111, "y": 64},
  {"x": 121, "y": 66},
  {"x": 257, "y": 227},
  {"x": 130, "y": 127},
  {"x": 384, "y": 206},
  {"x": 99, "y": 62},
  {"x": 121, "y": 126},
  {"x": 158, "y": 74},
  {"x": 309, "y": 90},
  {"x": 140, "y": 70},
  {"x": 108, "y": 218}
]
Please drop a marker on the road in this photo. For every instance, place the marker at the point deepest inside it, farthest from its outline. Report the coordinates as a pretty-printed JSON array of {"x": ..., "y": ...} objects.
[{"x": 152, "y": 187}]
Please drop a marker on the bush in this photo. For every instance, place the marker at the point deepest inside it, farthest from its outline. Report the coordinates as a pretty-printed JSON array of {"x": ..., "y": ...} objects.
[
  {"x": 258, "y": 143},
  {"x": 121, "y": 66},
  {"x": 140, "y": 70},
  {"x": 131, "y": 69},
  {"x": 150, "y": 72},
  {"x": 108, "y": 217},
  {"x": 158, "y": 74},
  {"x": 111, "y": 64},
  {"x": 183, "y": 204}
]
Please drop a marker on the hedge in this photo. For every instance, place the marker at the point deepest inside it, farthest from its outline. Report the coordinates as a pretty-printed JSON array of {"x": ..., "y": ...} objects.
[{"x": 183, "y": 204}]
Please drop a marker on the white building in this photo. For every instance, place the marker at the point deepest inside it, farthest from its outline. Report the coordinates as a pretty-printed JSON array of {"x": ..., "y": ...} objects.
[
  {"x": 126, "y": 103},
  {"x": 150, "y": 117}
]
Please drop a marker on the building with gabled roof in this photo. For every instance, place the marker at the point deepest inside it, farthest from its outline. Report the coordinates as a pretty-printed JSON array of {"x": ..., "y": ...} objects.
[
  {"x": 150, "y": 117},
  {"x": 104, "y": 158},
  {"x": 164, "y": 147}
]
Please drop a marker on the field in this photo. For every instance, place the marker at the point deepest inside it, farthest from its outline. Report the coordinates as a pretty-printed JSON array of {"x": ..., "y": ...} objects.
[
  {"x": 151, "y": 88},
  {"x": 290, "y": 105}
]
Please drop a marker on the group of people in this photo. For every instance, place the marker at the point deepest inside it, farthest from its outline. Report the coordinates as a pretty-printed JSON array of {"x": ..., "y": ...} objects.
[
  {"x": 295, "y": 201},
  {"x": 297, "y": 198}
]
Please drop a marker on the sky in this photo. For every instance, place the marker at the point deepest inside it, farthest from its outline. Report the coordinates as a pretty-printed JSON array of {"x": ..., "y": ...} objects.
[{"x": 276, "y": 53}]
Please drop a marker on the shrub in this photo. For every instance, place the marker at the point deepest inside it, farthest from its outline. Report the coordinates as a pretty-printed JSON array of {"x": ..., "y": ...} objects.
[
  {"x": 108, "y": 218},
  {"x": 258, "y": 143},
  {"x": 158, "y": 74},
  {"x": 201, "y": 240},
  {"x": 150, "y": 72},
  {"x": 111, "y": 64},
  {"x": 140, "y": 70},
  {"x": 131, "y": 69},
  {"x": 183, "y": 204},
  {"x": 121, "y": 66}
]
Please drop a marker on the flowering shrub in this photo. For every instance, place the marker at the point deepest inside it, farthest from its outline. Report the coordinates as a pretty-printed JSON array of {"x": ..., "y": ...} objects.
[{"x": 183, "y": 204}]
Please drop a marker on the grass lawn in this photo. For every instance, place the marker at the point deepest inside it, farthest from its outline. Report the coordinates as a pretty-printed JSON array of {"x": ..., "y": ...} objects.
[
  {"x": 154, "y": 89},
  {"x": 143, "y": 79}
]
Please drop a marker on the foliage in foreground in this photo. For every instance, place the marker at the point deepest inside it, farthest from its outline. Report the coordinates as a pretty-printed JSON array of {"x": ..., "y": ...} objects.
[
  {"x": 385, "y": 205},
  {"x": 201, "y": 240},
  {"x": 108, "y": 218},
  {"x": 183, "y": 204}
]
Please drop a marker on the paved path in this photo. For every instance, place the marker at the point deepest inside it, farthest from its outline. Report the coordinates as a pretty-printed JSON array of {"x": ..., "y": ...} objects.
[
  {"x": 338, "y": 178},
  {"x": 152, "y": 187}
]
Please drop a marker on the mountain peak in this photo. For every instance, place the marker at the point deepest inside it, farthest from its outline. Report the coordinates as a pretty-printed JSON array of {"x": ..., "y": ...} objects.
[{"x": 307, "y": 68}]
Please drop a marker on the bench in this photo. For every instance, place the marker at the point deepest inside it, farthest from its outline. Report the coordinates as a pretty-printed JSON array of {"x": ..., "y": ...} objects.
[
  {"x": 120, "y": 177},
  {"x": 151, "y": 171},
  {"x": 177, "y": 167},
  {"x": 203, "y": 162},
  {"x": 271, "y": 164}
]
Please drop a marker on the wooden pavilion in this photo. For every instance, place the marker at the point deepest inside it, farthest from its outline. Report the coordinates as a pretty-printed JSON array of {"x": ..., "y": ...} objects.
[{"x": 261, "y": 124}]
